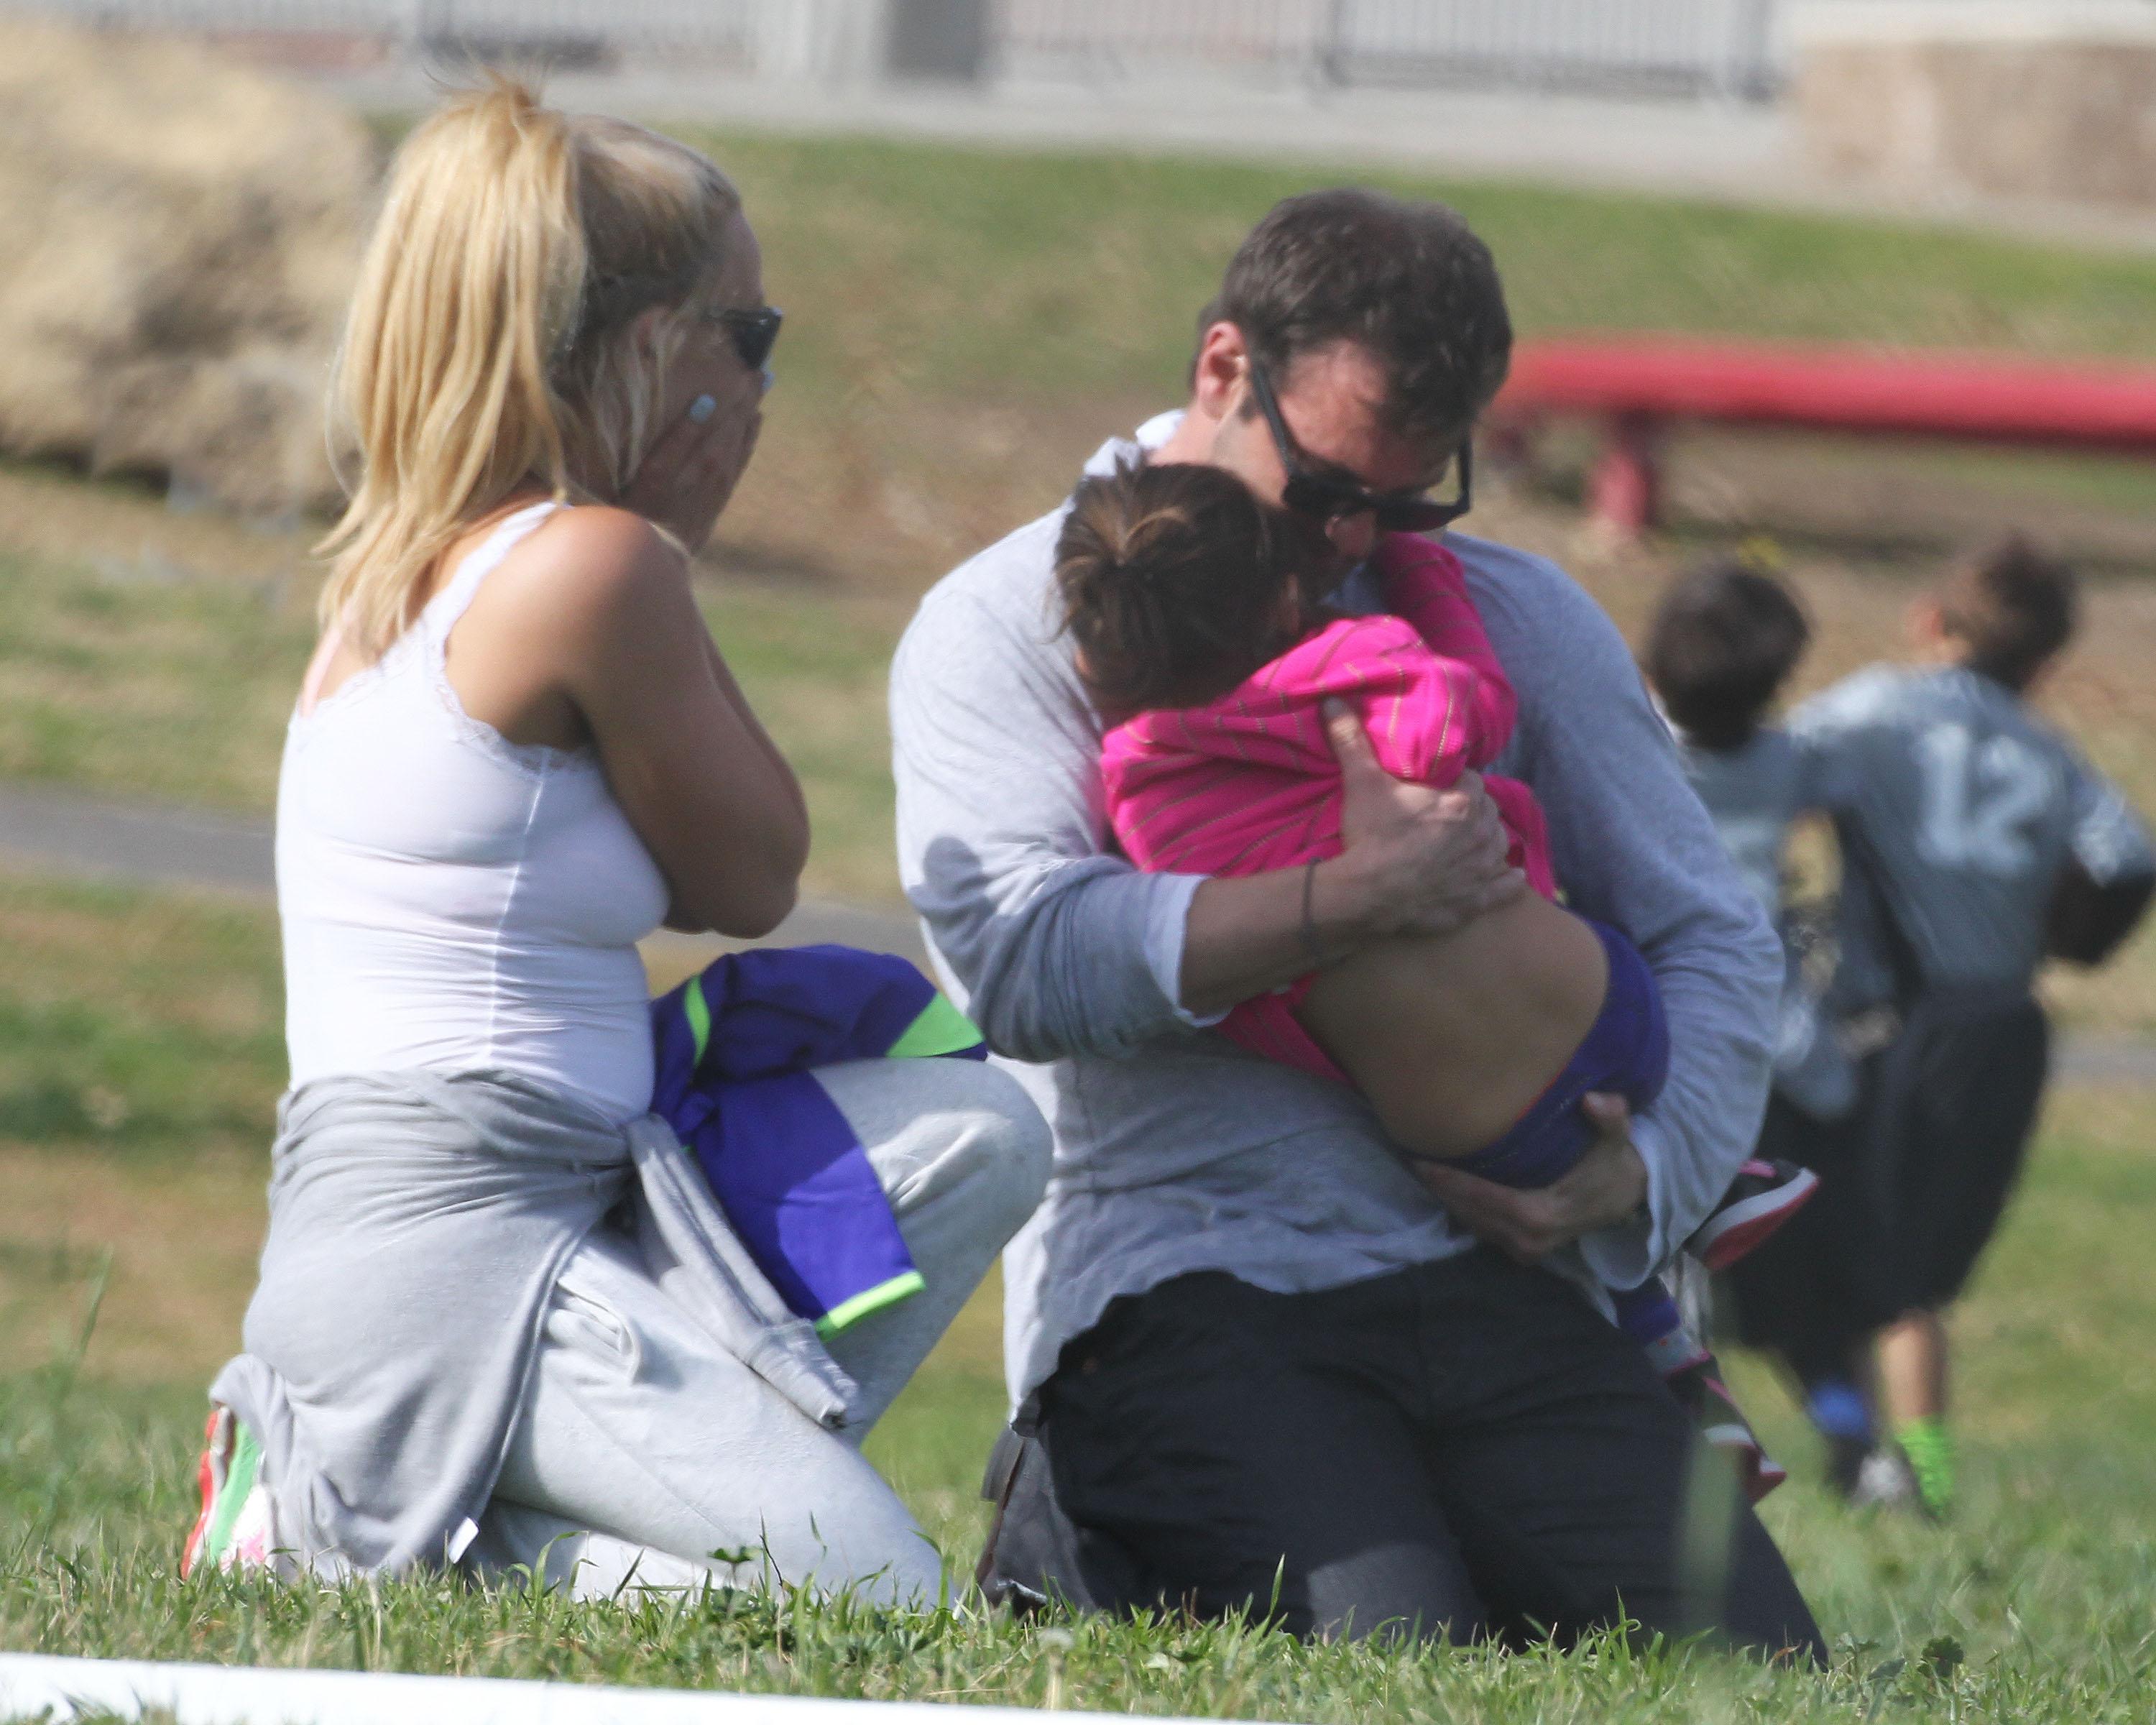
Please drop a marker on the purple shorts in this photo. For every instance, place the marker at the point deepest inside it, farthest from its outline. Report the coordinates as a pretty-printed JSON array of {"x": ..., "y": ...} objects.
[{"x": 1625, "y": 1053}]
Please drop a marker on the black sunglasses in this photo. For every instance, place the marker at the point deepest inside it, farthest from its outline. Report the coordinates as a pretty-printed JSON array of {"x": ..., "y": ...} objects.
[
  {"x": 1326, "y": 497},
  {"x": 755, "y": 332}
]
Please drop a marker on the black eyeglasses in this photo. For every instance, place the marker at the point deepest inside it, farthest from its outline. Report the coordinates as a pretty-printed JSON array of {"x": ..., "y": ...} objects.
[
  {"x": 755, "y": 332},
  {"x": 1328, "y": 497}
]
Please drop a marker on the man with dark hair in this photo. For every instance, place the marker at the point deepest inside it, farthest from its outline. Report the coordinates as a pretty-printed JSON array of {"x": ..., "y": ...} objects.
[
  {"x": 1409, "y": 283},
  {"x": 1260, "y": 1362}
]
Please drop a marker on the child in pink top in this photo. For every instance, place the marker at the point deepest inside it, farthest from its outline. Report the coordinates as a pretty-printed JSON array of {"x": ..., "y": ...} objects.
[
  {"x": 1247, "y": 783},
  {"x": 1213, "y": 667}
]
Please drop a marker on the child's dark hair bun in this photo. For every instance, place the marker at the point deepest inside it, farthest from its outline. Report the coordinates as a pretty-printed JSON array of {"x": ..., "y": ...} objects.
[{"x": 1172, "y": 579}]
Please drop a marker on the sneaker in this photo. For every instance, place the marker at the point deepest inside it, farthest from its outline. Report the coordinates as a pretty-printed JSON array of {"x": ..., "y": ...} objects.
[
  {"x": 1846, "y": 1457},
  {"x": 1841, "y": 1414},
  {"x": 1763, "y": 1195},
  {"x": 1926, "y": 1443},
  {"x": 235, "y": 1529},
  {"x": 1722, "y": 1425},
  {"x": 1886, "y": 1481}
]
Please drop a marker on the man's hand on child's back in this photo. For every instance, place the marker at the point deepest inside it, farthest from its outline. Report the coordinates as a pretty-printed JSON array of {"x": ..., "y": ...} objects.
[
  {"x": 1606, "y": 1185},
  {"x": 1415, "y": 860}
]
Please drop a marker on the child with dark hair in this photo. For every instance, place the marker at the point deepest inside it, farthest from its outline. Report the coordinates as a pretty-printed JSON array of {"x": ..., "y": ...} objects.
[
  {"x": 1723, "y": 641},
  {"x": 1721, "y": 644},
  {"x": 1213, "y": 659}
]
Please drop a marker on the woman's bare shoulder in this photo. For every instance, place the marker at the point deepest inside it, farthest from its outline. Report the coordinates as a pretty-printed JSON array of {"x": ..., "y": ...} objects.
[
  {"x": 595, "y": 561},
  {"x": 597, "y": 545}
]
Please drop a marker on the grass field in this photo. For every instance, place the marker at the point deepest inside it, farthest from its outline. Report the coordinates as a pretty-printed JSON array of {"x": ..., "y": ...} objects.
[
  {"x": 900, "y": 365},
  {"x": 139, "y": 1063},
  {"x": 152, "y": 653}
]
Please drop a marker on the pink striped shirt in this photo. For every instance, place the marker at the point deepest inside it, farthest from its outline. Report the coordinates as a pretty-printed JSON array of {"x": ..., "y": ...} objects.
[{"x": 1249, "y": 784}]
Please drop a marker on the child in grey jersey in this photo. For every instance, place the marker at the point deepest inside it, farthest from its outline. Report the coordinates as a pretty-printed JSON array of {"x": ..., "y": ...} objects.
[
  {"x": 1974, "y": 841},
  {"x": 1723, "y": 642}
]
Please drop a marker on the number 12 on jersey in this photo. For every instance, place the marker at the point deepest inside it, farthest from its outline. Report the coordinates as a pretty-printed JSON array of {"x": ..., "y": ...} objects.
[{"x": 1981, "y": 800}]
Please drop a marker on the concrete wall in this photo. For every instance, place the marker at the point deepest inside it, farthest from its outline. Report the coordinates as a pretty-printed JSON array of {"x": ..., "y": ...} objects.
[{"x": 2024, "y": 100}]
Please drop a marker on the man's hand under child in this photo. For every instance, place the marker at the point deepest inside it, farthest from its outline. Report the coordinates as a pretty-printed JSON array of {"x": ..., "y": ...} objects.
[{"x": 1604, "y": 1187}]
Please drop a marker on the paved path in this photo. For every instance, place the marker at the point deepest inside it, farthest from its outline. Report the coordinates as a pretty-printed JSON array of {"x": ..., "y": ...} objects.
[
  {"x": 102, "y": 839},
  {"x": 94, "y": 838},
  {"x": 62, "y": 832}
]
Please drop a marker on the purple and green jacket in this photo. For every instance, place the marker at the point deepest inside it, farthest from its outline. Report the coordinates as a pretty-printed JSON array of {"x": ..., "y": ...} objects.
[{"x": 737, "y": 1048}]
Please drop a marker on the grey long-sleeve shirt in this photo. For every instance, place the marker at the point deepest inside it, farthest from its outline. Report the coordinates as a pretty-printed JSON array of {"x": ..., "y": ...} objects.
[{"x": 1176, "y": 1151}]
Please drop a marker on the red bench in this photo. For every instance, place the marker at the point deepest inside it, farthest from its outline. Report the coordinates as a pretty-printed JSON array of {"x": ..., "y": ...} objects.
[{"x": 1638, "y": 385}]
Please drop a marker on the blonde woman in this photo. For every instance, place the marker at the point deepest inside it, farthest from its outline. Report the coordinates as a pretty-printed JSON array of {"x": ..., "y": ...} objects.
[{"x": 494, "y": 1325}]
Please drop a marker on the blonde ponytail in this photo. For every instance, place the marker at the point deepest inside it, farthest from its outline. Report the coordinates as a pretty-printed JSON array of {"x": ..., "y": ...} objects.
[{"x": 492, "y": 343}]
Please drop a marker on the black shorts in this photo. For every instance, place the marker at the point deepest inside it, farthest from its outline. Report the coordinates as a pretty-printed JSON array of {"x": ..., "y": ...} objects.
[
  {"x": 1911, "y": 1186},
  {"x": 1946, "y": 1130}
]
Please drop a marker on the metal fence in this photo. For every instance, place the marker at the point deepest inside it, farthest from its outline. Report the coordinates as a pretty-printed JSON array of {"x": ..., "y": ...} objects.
[
  {"x": 1725, "y": 46},
  {"x": 1673, "y": 46},
  {"x": 1122, "y": 34},
  {"x": 301, "y": 17},
  {"x": 724, "y": 28}
]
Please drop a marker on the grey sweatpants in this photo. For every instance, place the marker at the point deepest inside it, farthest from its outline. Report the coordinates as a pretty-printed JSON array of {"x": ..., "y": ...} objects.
[{"x": 645, "y": 1456}]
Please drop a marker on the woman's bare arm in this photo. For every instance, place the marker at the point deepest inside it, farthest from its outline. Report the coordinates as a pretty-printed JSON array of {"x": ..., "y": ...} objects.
[
  {"x": 732, "y": 690},
  {"x": 698, "y": 777}
]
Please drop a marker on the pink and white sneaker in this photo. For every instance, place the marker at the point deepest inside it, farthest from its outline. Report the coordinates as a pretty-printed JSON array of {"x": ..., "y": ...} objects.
[
  {"x": 237, "y": 1527},
  {"x": 1763, "y": 1195}
]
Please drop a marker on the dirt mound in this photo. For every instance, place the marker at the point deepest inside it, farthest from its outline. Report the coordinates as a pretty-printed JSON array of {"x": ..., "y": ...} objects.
[{"x": 181, "y": 234}]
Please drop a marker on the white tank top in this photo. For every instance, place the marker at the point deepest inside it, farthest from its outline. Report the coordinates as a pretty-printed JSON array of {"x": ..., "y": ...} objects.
[{"x": 452, "y": 899}]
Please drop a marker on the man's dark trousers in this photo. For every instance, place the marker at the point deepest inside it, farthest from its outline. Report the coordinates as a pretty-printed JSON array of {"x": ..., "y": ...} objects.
[{"x": 1462, "y": 1447}]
